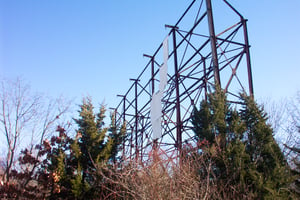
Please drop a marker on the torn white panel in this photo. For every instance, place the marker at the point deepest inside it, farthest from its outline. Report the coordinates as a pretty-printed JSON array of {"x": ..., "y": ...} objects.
[
  {"x": 156, "y": 106},
  {"x": 155, "y": 114},
  {"x": 166, "y": 49},
  {"x": 156, "y": 127},
  {"x": 163, "y": 70},
  {"x": 163, "y": 77}
]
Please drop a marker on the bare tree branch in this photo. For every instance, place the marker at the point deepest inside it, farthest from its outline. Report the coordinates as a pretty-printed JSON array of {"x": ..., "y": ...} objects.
[{"x": 22, "y": 111}]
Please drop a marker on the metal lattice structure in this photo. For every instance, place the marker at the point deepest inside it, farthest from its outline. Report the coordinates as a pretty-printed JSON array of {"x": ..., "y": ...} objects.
[{"x": 200, "y": 56}]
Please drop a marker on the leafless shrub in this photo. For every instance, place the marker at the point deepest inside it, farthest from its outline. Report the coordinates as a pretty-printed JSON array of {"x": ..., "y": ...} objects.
[{"x": 190, "y": 177}]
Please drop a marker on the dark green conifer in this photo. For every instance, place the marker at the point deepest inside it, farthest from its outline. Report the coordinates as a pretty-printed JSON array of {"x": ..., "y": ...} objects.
[
  {"x": 241, "y": 148},
  {"x": 270, "y": 173},
  {"x": 95, "y": 145}
]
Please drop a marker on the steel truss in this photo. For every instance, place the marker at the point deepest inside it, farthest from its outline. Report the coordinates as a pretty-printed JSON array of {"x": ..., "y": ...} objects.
[{"x": 199, "y": 58}]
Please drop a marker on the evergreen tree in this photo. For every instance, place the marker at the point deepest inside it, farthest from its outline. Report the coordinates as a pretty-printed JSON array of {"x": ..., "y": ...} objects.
[
  {"x": 95, "y": 145},
  {"x": 270, "y": 176},
  {"x": 241, "y": 148},
  {"x": 211, "y": 120}
]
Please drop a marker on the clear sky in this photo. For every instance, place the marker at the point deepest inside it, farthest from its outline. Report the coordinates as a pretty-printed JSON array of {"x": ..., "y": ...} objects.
[{"x": 92, "y": 47}]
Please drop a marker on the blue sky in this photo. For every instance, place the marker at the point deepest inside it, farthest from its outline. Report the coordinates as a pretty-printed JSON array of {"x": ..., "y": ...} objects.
[{"x": 77, "y": 48}]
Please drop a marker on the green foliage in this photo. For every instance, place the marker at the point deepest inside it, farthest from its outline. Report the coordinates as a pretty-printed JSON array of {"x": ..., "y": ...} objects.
[
  {"x": 66, "y": 168},
  {"x": 78, "y": 184},
  {"x": 241, "y": 147},
  {"x": 264, "y": 153},
  {"x": 237, "y": 158},
  {"x": 94, "y": 146}
]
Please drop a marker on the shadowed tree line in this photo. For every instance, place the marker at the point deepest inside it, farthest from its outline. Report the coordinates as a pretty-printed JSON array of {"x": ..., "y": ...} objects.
[{"x": 235, "y": 156}]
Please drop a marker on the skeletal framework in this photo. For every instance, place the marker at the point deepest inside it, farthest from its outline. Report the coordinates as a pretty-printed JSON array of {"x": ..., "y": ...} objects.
[{"x": 205, "y": 50}]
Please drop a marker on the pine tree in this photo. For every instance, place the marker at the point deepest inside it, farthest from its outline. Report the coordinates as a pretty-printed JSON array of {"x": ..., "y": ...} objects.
[
  {"x": 88, "y": 147},
  {"x": 270, "y": 176},
  {"x": 211, "y": 120},
  {"x": 241, "y": 148},
  {"x": 95, "y": 145}
]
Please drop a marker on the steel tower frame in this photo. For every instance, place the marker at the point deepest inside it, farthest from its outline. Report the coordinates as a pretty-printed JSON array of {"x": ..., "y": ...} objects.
[{"x": 198, "y": 60}]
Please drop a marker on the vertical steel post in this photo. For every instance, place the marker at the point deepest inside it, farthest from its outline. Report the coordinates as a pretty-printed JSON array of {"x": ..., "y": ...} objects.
[
  {"x": 124, "y": 120},
  {"x": 136, "y": 124},
  {"x": 178, "y": 115},
  {"x": 131, "y": 142},
  {"x": 142, "y": 138},
  {"x": 204, "y": 77},
  {"x": 247, "y": 50},
  {"x": 153, "y": 91},
  {"x": 213, "y": 42},
  {"x": 136, "y": 119},
  {"x": 152, "y": 74},
  {"x": 115, "y": 127},
  {"x": 155, "y": 142}
]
